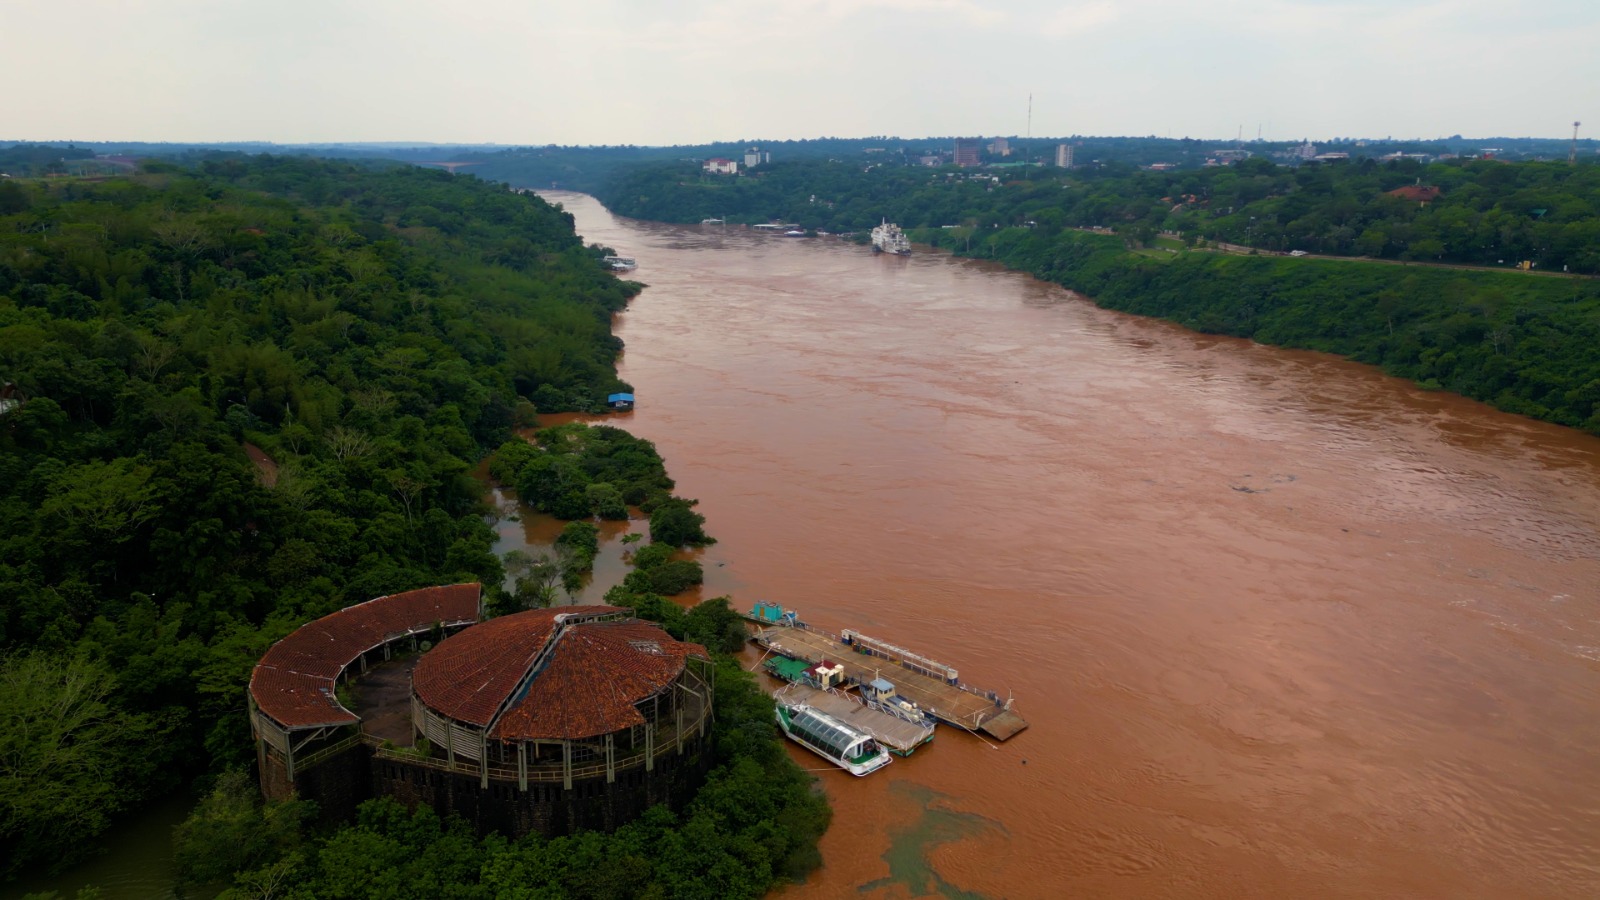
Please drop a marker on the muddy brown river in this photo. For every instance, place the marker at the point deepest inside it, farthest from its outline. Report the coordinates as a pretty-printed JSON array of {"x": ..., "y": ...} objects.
[{"x": 1282, "y": 626}]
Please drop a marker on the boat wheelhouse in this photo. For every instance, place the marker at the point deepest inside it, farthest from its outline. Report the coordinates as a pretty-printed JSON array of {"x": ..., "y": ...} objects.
[
  {"x": 849, "y": 748},
  {"x": 879, "y": 694}
]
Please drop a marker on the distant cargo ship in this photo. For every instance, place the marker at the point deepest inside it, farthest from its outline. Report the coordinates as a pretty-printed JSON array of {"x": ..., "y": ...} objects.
[{"x": 888, "y": 238}]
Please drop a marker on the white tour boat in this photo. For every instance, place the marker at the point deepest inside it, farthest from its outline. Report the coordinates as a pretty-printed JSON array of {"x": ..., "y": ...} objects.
[{"x": 845, "y": 746}]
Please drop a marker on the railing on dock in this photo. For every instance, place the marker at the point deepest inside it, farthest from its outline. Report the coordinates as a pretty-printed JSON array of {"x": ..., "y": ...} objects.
[{"x": 772, "y": 614}]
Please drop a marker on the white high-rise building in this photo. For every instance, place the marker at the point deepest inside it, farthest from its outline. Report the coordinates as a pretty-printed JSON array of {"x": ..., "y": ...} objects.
[{"x": 1064, "y": 156}]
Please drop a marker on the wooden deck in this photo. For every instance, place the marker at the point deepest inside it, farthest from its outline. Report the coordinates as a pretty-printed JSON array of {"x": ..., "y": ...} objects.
[
  {"x": 948, "y": 703},
  {"x": 891, "y": 731}
]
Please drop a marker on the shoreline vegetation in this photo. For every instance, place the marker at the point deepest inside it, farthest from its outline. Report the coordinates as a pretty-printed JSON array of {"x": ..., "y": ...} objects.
[
  {"x": 372, "y": 331},
  {"x": 1137, "y": 241}
]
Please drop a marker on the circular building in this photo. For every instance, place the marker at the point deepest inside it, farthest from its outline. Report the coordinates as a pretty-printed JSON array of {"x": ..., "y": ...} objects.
[
  {"x": 547, "y": 720},
  {"x": 554, "y": 719}
]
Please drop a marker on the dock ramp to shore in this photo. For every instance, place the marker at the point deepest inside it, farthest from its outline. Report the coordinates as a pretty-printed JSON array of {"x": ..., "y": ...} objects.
[{"x": 951, "y": 703}]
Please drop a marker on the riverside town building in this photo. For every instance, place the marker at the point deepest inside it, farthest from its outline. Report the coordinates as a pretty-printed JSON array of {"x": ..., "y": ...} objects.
[{"x": 547, "y": 720}]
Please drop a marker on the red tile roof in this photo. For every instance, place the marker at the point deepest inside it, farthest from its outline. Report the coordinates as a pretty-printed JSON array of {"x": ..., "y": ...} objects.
[
  {"x": 596, "y": 673},
  {"x": 293, "y": 683},
  {"x": 469, "y": 676},
  {"x": 1421, "y": 193}
]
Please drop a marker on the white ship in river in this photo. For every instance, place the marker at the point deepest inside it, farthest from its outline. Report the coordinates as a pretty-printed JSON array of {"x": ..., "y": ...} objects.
[
  {"x": 846, "y": 746},
  {"x": 888, "y": 238}
]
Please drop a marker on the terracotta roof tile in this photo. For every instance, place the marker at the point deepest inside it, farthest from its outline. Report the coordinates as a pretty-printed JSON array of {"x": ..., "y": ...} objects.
[
  {"x": 297, "y": 700},
  {"x": 597, "y": 672},
  {"x": 469, "y": 676},
  {"x": 294, "y": 681}
]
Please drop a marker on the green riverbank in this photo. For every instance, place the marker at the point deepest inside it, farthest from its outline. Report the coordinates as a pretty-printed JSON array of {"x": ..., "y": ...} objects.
[{"x": 1525, "y": 345}]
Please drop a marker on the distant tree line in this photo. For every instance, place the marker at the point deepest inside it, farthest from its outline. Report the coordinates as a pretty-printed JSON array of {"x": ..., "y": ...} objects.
[{"x": 1477, "y": 212}]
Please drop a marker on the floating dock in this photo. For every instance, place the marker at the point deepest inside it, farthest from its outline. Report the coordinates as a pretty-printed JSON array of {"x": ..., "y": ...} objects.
[
  {"x": 900, "y": 736},
  {"x": 934, "y": 687}
]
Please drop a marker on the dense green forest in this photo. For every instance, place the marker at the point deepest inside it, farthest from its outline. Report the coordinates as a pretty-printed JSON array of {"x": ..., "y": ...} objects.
[
  {"x": 754, "y": 824},
  {"x": 242, "y": 395},
  {"x": 1482, "y": 212},
  {"x": 370, "y": 331},
  {"x": 581, "y": 472},
  {"x": 1527, "y": 343},
  {"x": 24, "y": 160}
]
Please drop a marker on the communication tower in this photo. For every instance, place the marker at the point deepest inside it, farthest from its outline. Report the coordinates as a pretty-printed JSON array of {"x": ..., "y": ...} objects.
[{"x": 1572, "y": 155}]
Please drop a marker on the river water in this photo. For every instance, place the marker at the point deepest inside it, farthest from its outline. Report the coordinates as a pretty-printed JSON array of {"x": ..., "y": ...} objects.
[{"x": 1282, "y": 626}]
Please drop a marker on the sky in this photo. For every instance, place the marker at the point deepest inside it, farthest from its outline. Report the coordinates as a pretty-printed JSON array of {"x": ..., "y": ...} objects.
[{"x": 697, "y": 71}]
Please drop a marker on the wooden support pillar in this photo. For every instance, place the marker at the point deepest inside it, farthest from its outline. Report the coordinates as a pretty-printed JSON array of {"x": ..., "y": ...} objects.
[
  {"x": 483, "y": 761},
  {"x": 522, "y": 767},
  {"x": 450, "y": 742},
  {"x": 679, "y": 733},
  {"x": 611, "y": 760},
  {"x": 566, "y": 764},
  {"x": 650, "y": 747}
]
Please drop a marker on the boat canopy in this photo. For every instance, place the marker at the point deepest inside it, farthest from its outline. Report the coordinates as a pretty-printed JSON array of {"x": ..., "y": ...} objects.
[
  {"x": 619, "y": 398},
  {"x": 827, "y": 733}
]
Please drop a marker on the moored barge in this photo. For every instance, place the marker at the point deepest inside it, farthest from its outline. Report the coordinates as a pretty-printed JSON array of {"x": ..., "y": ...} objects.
[
  {"x": 816, "y": 686},
  {"x": 930, "y": 686}
]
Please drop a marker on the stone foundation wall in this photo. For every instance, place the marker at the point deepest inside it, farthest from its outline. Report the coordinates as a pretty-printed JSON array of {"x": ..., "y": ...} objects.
[
  {"x": 274, "y": 775},
  {"x": 338, "y": 785}
]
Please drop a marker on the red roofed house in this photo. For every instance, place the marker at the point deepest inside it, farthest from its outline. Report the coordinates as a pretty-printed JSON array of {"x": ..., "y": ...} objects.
[
  {"x": 720, "y": 166},
  {"x": 1422, "y": 194},
  {"x": 547, "y": 720}
]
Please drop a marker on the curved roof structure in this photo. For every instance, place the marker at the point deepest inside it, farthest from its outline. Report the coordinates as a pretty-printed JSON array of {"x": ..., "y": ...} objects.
[
  {"x": 293, "y": 683},
  {"x": 551, "y": 674},
  {"x": 599, "y": 671}
]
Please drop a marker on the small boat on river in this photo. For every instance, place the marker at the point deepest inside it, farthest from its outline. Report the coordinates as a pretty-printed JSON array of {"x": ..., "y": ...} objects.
[{"x": 845, "y": 746}]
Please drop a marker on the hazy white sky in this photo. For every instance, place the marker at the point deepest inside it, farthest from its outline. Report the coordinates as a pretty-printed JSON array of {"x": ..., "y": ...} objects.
[{"x": 691, "y": 71}]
